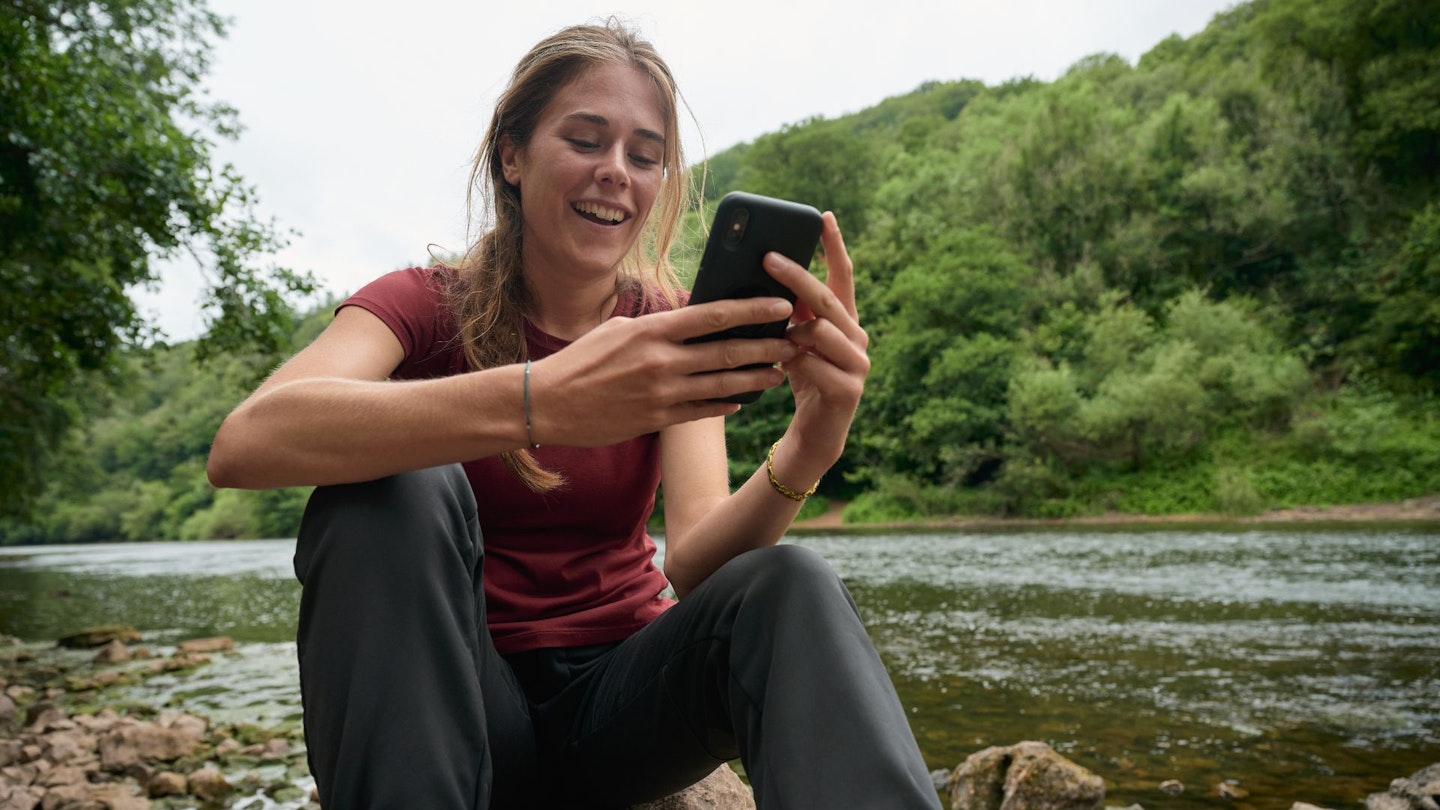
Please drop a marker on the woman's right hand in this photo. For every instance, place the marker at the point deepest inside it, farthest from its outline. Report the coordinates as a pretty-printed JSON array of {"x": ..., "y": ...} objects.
[{"x": 631, "y": 376}]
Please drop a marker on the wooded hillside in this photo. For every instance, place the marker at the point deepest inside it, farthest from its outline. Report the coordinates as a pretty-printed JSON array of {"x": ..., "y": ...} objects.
[{"x": 1206, "y": 282}]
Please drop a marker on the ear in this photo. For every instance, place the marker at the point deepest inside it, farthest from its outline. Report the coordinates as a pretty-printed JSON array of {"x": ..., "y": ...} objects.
[{"x": 509, "y": 160}]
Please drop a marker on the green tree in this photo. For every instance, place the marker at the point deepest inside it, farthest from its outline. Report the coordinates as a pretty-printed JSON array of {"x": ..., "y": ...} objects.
[{"x": 105, "y": 170}]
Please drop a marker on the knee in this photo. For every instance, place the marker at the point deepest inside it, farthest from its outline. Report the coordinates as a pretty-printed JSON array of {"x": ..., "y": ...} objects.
[
  {"x": 791, "y": 581},
  {"x": 396, "y": 520}
]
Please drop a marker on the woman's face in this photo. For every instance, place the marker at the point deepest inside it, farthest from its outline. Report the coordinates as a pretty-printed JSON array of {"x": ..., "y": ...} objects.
[{"x": 590, "y": 173}]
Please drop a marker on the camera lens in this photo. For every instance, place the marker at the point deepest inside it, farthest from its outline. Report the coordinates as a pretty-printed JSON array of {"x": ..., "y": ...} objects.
[{"x": 735, "y": 228}]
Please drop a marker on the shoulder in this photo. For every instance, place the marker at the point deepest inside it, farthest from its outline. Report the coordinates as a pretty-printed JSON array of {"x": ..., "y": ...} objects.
[
  {"x": 414, "y": 303},
  {"x": 429, "y": 284}
]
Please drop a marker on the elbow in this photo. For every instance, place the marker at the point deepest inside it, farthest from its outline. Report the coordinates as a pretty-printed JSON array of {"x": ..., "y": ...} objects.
[
  {"x": 680, "y": 579},
  {"x": 225, "y": 466},
  {"x": 219, "y": 472}
]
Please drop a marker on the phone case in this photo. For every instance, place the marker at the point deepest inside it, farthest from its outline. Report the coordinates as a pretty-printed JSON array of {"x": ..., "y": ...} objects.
[{"x": 731, "y": 265}]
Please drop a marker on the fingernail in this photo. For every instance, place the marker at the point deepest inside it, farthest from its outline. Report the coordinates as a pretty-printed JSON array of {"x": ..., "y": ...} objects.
[{"x": 779, "y": 309}]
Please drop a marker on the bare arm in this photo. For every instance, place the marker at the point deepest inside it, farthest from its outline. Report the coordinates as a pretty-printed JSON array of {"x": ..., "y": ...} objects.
[
  {"x": 329, "y": 416},
  {"x": 709, "y": 526}
]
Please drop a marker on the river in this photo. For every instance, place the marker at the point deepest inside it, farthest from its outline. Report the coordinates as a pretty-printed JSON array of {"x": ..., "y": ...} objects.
[{"x": 1296, "y": 663}]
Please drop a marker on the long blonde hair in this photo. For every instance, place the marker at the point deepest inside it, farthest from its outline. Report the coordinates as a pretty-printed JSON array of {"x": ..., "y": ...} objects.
[{"x": 488, "y": 297}]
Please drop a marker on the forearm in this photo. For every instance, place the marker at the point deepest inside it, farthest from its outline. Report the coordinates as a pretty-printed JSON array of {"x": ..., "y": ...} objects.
[
  {"x": 755, "y": 516},
  {"x": 316, "y": 431}
]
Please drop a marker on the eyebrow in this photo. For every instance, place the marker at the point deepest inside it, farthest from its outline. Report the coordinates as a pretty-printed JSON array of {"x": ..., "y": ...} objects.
[{"x": 600, "y": 120}]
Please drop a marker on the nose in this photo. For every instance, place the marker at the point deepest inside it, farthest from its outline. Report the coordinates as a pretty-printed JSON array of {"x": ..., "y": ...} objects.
[{"x": 613, "y": 168}]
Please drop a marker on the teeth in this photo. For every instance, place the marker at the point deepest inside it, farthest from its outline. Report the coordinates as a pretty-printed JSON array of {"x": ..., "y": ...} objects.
[{"x": 608, "y": 214}]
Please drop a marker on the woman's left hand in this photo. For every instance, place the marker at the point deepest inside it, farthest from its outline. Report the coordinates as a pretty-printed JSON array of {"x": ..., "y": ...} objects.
[{"x": 828, "y": 375}]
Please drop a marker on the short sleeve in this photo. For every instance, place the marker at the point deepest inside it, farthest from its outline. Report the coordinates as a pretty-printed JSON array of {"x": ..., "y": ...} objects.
[{"x": 411, "y": 303}]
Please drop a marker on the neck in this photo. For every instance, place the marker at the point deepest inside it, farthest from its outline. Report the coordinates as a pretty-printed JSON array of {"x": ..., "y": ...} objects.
[{"x": 560, "y": 308}]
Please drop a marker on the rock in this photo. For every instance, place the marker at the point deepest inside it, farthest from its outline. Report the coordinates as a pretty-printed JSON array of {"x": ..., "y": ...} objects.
[
  {"x": 19, "y": 692},
  {"x": 115, "y": 652},
  {"x": 116, "y": 797},
  {"x": 209, "y": 784},
  {"x": 1172, "y": 787},
  {"x": 1419, "y": 792},
  {"x": 103, "y": 634},
  {"x": 43, "y": 717},
  {"x": 67, "y": 746},
  {"x": 168, "y": 783},
  {"x": 7, "y": 711},
  {"x": 125, "y": 745},
  {"x": 721, "y": 790},
  {"x": 16, "y": 798},
  {"x": 187, "y": 724},
  {"x": 1306, "y": 806},
  {"x": 102, "y": 720},
  {"x": 207, "y": 645},
  {"x": 226, "y": 747},
  {"x": 940, "y": 778},
  {"x": 1231, "y": 792},
  {"x": 64, "y": 796},
  {"x": 178, "y": 661},
  {"x": 66, "y": 775},
  {"x": 10, "y": 752},
  {"x": 1025, "y": 776},
  {"x": 978, "y": 783}
]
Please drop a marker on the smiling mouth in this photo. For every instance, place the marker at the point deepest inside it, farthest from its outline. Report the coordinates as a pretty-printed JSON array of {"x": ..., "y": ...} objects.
[{"x": 601, "y": 214}]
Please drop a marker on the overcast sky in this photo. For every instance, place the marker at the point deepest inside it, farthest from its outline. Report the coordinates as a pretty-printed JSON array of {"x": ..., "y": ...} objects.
[{"x": 361, "y": 119}]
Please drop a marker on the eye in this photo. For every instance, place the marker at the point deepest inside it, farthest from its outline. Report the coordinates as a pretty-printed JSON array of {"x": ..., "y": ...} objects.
[
  {"x": 582, "y": 144},
  {"x": 644, "y": 160}
]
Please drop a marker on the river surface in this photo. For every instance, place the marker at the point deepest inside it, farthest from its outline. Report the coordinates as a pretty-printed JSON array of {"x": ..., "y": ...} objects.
[{"x": 1296, "y": 663}]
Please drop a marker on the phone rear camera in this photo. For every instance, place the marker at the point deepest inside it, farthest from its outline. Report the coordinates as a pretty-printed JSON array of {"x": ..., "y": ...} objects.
[{"x": 735, "y": 228}]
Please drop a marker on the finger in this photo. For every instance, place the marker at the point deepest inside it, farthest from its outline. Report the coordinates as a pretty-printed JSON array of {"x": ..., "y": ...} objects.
[
  {"x": 812, "y": 294},
  {"x": 835, "y": 385},
  {"x": 839, "y": 270},
  {"x": 697, "y": 320},
  {"x": 721, "y": 384},
  {"x": 735, "y": 352},
  {"x": 822, "y": 337}
]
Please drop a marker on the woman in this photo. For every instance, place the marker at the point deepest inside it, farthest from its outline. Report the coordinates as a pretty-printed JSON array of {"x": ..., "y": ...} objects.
[{"x": 551, "y": 364}]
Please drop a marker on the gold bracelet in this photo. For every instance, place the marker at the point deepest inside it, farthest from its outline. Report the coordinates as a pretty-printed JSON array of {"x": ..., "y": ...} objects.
[{"x": 779, "y": 487}]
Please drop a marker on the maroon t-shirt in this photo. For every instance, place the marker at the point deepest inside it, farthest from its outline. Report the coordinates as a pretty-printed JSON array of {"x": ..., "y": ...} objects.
[{"x": 568, "y": 567}]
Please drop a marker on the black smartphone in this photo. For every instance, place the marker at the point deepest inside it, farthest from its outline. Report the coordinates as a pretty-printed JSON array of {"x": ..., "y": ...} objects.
[{"x": 746, "y": 227}]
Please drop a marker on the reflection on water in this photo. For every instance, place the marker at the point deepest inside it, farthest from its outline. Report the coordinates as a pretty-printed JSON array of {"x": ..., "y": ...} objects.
[{"x": 1298, "y": 662}]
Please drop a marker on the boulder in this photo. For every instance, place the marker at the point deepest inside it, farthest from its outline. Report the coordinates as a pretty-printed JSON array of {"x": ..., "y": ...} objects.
[
  {"x": 16, "y": 798},
  {"x": 1421, "y": 791},
  {"x": 721, "y": 790},
  {"x": 979, "y": 782},
  {"x": 207, "y": 645},
  {"x": 209, "y": 784},
  {"x": 45, "y": 716},
  {"x": 1025, "y": 776},
  {"x": 168, "y": 783},
  {"x": 7, "y": 710},
  {"x": 103, "y": 634},
  {"x": 116, "y": 797},
  {"x": 114, "y": 652},
  {"x": 129, "y": 744}
]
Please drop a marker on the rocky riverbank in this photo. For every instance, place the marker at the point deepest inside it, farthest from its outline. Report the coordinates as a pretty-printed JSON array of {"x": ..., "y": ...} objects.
[
  {"x": 69, "y": 742},
  {"x": 64, "y": 745}
]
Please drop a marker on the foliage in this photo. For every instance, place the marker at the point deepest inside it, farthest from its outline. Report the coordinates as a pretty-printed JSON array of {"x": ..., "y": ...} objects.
[
  {"x": 136, "y": 470},
  {"x": 1204, "y": 282},
  {"x": 105, "y": 171}
]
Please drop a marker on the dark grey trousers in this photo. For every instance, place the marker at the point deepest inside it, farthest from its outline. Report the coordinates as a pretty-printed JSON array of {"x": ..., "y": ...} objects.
[{"x": 408, "y": 704}]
